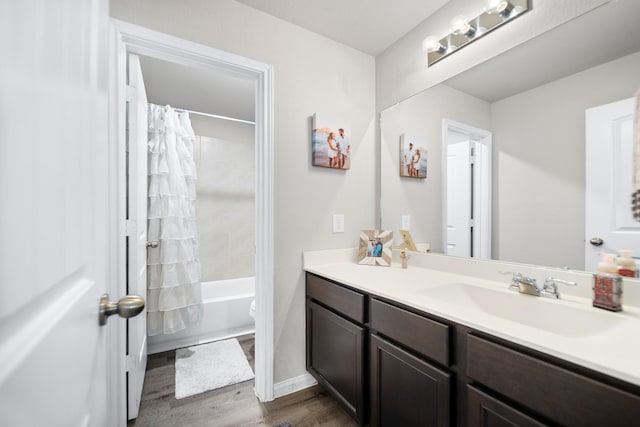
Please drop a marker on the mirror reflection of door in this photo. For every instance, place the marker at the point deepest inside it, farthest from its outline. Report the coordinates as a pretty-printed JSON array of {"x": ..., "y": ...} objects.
[
  {"x": 467, "y": 190},
  {"x": 609, "y": 162}
]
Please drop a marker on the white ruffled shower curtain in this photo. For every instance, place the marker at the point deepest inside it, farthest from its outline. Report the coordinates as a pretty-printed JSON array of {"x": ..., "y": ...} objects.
[{"x": 174, "y": 291}]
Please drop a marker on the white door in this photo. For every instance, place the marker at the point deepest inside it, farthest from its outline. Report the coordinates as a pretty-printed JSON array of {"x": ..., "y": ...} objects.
[
  {"x": 609, "y": 164},
  {"x": 459, "y": 199},
  {"x": 136, "y": 362},
  {"x": 466, "y": 189},
  {"x": 54, "y": 214},
  {"x": 482, "y": 197}
]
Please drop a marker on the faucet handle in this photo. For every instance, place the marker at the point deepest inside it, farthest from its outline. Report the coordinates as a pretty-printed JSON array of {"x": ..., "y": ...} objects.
[
  {"x": 551, "y": 290},
  {"x": 552, "y": 280}
]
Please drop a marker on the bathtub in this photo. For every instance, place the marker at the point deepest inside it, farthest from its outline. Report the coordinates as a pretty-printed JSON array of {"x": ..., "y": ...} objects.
[{"x": 226, "y": 314}]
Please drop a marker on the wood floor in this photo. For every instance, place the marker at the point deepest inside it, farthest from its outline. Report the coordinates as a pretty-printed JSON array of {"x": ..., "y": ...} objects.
[{"x": 235, "y": 405}]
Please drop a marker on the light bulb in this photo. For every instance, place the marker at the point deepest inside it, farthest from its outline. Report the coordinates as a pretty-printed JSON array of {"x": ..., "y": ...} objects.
[
  {"x": 491, "y": 6},
  {"x": 432, "y": 44},
  {"x": 460, "y": 25},
  {"x": 503, "y": 7}
]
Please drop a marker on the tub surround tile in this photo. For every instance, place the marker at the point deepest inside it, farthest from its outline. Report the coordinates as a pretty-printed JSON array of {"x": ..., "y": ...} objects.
[{"x": 225, "y": 207}]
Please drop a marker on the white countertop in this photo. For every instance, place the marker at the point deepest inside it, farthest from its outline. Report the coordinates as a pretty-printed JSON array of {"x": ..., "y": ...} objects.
[{"x": 613, "y": 347}]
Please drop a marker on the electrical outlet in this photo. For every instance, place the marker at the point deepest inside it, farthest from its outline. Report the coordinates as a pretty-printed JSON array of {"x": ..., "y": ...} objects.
[
  {"x": 406, "y": 222},
  {"x": 338, "y": 223}
]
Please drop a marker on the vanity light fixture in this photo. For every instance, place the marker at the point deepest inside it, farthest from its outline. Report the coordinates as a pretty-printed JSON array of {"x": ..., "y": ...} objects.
[{"x": 465, "y": 31}]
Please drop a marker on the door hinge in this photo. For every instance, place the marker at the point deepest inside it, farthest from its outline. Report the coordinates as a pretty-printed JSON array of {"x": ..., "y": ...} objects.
[
  {"x": 131, "y": 93},
  {"x": 472, "y": 222},
  {"x": 130, "y": 363},
  {"x": 130, "y": 227}
]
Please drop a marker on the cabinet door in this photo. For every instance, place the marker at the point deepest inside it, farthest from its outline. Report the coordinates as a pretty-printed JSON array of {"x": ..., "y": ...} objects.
[
  {"x": 485, "y": 411},
  {"x": 335, "y": 357},
  {"x": 405, "y": 390}
]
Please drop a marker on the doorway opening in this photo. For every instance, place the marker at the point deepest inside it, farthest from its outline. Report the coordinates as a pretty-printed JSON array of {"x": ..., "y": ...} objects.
[
  {"x": 221, "y": 111},
  {"x": 466, "y": 190},
  {"x": 132, "y": 39}
]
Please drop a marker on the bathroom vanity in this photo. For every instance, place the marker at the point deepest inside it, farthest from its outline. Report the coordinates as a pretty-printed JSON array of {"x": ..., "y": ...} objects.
[{"x": 423, "y": 347}]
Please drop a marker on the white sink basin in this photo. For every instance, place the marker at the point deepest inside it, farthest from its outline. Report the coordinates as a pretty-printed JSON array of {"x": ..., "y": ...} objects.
[{"x": 537, "y": 312}]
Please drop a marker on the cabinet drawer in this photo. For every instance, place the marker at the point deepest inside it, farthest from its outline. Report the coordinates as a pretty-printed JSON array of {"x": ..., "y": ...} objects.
[
  {"x": 485, "y": 411},
  {"x": 341, "y": 299},
  {"x": 426, "y": 336},
  {"x": 547, "y": 389}
]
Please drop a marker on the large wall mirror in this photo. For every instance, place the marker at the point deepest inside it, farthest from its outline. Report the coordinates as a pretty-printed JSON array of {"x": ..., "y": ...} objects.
[{"x": 532, "y": 99}]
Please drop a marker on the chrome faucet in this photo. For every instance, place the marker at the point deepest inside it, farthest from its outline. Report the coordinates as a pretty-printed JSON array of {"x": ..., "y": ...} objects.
[{"x": 529, "y": 285}]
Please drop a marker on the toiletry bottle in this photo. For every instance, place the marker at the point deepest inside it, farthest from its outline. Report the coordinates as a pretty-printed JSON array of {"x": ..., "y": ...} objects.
[
  {"x": 607, "y": 285},
  {"x": 626, "y": 264},
  {"x": 405, "y": 259},
  {"x": 607, "y": 265}
]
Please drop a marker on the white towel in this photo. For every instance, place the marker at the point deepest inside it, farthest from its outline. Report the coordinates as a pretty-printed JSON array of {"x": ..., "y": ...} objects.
[{"x": 635, "y": 195}]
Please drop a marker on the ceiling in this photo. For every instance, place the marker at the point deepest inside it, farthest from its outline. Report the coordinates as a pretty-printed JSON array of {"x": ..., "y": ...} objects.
[
  {"x": 198, "y": 89},
  {"x": 370, "y": 26}
]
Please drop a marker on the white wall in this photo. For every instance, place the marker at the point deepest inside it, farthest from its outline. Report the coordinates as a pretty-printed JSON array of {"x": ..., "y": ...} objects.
[
  {"x": 422, "y": 116},
  {"x": 312, "y": 74},
  {"x": 401, "y": 70},
  {"x": 539, "y": 163}
]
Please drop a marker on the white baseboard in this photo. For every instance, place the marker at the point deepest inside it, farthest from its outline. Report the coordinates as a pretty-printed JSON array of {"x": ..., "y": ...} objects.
[{"x": 293, "y": 384}]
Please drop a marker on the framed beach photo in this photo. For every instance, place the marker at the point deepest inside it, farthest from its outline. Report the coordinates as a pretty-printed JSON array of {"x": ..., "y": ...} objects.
[
  {"x": 375, "y": 247},
  {"x": 330, "y": 143},
  {"x": 413, "y": 156}
]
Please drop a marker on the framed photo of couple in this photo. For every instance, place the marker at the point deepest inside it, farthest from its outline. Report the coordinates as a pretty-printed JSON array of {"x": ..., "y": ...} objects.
[
  {"x": 375, "y": 247},
  {"x": 330, "y": 143},
  {"x": 413, "y": 156}
]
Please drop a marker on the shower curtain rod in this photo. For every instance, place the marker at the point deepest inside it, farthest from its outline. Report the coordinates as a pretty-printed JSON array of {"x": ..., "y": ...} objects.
[{"x": 215, "y": 116}]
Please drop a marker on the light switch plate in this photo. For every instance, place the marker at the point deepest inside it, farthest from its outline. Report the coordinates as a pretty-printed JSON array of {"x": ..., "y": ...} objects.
[
  {"x": 338, "y": 223},
  {"x": 406, "y": 222}
]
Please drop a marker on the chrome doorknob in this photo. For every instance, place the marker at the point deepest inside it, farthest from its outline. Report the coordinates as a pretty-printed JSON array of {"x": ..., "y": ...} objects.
[
  {"x": 128, "y": 306},
  {"x": 153, "y": 244},
  {"x": 596, "y": 241}
]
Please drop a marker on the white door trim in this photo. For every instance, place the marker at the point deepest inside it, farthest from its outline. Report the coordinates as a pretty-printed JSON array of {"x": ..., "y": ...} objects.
[
  {"x": 130, "y": 38},
  {"x": 481, "y": 187}
]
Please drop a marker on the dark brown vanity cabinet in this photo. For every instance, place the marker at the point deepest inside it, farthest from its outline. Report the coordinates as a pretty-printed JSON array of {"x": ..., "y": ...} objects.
[
  {"x": 336, "y": 339},
  {"x": 392, "y": 365},
  {"x": 406, "y": 388}
]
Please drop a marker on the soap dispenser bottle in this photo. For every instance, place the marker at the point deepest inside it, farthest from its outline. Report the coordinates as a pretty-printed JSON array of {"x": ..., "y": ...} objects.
[
  {"x": 626, "y": 264},
  {"x": 607, "y": 285}
]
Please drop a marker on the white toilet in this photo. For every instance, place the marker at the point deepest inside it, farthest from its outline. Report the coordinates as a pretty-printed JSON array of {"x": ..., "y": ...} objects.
[{"x": 252, "y": 309}]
